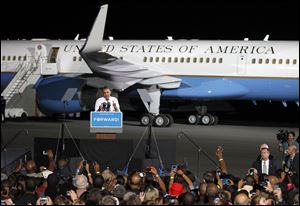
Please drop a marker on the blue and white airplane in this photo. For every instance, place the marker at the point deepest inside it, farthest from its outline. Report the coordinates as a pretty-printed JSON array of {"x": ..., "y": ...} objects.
[{"x": 37, "y": 73}]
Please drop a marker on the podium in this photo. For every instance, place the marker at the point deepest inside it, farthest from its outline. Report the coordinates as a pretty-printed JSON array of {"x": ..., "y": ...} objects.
[{"x": 106, "y": 125}]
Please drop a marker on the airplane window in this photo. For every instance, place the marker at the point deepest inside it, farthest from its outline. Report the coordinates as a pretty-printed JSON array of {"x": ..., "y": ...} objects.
[
  {"x": 181, "y": 59},
  {"x": 19, "y": 58},
  {"x": 8, "y": 58},
  {"x": 214, "y": 60},
  {"x": 175, "y": 59},
  {"x": 145, "y": 59},
  {"x": 157, "y": 59},
  {"x": 163, "y": 59},
  {"x": 80, "y": 59},
  {"x": 273, "y": 61},
  {"x": 280, "y": 61},
  {"x": 220, "y": 60},
  {"x": 74, "y": 59},
  {"x": 195, "y": 59},
  {"x": 14, "y": 58},
  {"x": 295, "y": 61},
  {"x": 3, "y": 58},
  {"x": 253, "y": 61},
  {"x": 288, "y": 61},
  {"x": 121, "y": 58},
  {"x": 201, "y": 59},
  {"x": 170, "y": 59},
  {"x": 267, "y": 61},
  {"x": 188, "y": 60},
  {"x": 260, "y": 61},
  {"x": 207, "y": 60},
  {"x": 151, "y": 59}
]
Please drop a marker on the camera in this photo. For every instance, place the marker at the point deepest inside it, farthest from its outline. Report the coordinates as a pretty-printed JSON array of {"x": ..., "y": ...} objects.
[
  {"x": 142, "y": 174},
  {"x": 263, "y": 181},
  {"x": 288, "y": 171},
  {"x": 282, "y": 136},
  {"x": 251, "y": 172},
  {"x": 43, "y": 200},
  {"x": 218, "y": 171},
  {"x": 174, "y": 168},
  {"x": 170, "y": 199}
]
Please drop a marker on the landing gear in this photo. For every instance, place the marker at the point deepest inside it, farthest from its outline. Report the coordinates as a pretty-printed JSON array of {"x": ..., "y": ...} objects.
[
  {"x": 193, "y": 119},
  {"x": 202, "y": 117},
  {"x": 170, "y": 120},
  {"x": 146, "y": 119},
  {"x": 161, "y": 120},
  {"x": 151, "y": 99},
  {"x": 207, "y": 119}
]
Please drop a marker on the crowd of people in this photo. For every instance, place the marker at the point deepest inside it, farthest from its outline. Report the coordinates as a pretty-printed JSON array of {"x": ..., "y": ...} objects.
[{"x": 266, "y": 183}]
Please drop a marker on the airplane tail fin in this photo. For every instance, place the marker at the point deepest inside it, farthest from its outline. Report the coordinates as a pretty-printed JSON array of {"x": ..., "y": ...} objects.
[{"x": 95, "y": 38}]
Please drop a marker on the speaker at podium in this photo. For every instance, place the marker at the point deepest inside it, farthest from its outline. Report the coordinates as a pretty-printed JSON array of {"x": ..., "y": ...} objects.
[{"x": 106, "y": 125}]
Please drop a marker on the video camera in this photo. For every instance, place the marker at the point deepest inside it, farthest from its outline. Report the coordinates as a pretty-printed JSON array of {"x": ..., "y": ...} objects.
[{"x": 282, "y": 136}]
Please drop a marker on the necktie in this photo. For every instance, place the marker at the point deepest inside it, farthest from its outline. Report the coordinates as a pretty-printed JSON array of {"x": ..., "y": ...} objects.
[
  {"x": 290, "y": 162},
  {"x": 264, "y": 169}
]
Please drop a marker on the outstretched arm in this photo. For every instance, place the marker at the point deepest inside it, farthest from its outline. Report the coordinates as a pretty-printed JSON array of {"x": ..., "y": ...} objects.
[
  {"x": 159, "y": 180},
  {"x": 222, "y": 163}
]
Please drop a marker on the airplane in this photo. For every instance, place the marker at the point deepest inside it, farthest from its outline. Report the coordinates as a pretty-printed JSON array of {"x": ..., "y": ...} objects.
[{"x": 37, "y": 73}]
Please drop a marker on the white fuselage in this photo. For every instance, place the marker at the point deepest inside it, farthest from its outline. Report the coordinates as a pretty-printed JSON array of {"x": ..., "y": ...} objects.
[{"x": 253, "y": 59}]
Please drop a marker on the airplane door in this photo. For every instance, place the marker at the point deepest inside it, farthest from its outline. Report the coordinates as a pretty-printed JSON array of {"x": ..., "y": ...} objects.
[
  {"x": 242, "y": 64},
  {"x": 40, "y": 56},
  {"x": 51, "y": 65}
]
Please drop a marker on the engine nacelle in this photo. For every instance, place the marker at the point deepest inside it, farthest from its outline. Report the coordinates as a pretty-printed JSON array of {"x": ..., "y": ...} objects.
[{"x": 50, "y": 91}]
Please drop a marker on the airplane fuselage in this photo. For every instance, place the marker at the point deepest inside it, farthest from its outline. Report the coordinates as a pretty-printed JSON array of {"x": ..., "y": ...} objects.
[{"x": 254, "y": 70}]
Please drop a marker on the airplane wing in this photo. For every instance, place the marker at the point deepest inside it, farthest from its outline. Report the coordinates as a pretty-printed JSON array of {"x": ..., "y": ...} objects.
[{"x": 119, "y": 74}]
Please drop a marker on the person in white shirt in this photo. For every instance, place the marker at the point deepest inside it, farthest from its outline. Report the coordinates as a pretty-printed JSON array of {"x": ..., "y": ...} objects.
[{"x": 107, "y": 103}]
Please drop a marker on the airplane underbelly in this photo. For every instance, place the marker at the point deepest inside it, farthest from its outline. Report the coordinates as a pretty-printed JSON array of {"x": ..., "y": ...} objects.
[{"x": 211, "y": 88}]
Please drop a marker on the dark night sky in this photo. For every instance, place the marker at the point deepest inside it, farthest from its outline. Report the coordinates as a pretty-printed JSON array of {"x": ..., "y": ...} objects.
[{"x": 152, "y": 19}]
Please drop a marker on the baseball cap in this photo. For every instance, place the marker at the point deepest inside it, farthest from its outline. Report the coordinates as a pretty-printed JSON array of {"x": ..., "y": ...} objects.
[{"x": 176, "y": 189}]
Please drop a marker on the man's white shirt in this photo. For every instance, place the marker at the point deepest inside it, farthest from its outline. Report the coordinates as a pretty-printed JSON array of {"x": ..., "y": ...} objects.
[
  {"x": 267, "y": 166},
  {"x": 111, "y": 100}
]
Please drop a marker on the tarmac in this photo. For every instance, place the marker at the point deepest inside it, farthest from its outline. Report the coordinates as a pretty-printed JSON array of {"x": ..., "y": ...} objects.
[{"x": 240, "y": 141}]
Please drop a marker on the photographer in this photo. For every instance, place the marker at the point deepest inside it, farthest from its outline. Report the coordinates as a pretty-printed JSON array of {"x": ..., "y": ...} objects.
[
  {"x": 292, "y": 162},
  {"x": 286, "y": 142}
]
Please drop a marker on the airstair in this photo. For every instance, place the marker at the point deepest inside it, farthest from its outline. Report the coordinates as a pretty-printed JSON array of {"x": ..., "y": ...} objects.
[{"x": 21, "y": 86}]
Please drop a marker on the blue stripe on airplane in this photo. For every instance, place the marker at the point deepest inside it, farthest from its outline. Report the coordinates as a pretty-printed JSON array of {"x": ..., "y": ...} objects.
[{"x": 213, "y": 88}]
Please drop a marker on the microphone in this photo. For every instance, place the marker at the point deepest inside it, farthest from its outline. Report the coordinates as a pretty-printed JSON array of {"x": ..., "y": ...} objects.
[
  {"x": 104, "y": 106},
  {"x": 108, "y": 106}
]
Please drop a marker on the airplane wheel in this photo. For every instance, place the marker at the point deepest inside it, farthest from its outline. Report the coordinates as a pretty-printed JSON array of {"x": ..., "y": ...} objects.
[
  {"x": 193, "y": 119},
  {"x": 170, "y": 120},
  {"x": 146, "y": 119},
  {"x": 160, "y": 120},
  {"x": 216, "y": 120},
  {"x": 206, "y": 119}
]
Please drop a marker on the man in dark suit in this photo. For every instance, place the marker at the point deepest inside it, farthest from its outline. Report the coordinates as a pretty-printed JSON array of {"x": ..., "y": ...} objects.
[
  {"x": 265, "y": 165},
  {"x": 292, "y": 160}
]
